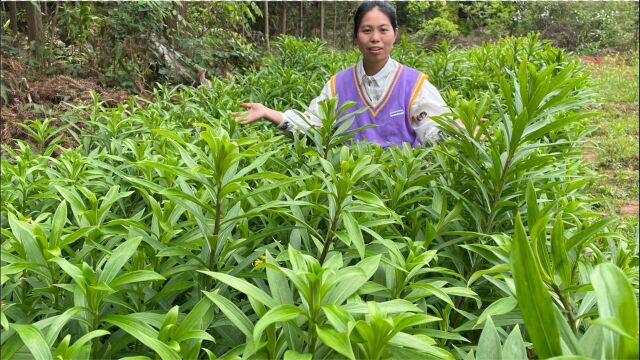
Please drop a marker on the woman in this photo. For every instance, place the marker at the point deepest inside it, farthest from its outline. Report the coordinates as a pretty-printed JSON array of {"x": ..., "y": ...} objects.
[{"x": 393, "y": 94}]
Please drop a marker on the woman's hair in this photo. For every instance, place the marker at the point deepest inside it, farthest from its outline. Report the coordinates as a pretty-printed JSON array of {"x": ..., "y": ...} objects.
[{"x": 367, "y": 6}]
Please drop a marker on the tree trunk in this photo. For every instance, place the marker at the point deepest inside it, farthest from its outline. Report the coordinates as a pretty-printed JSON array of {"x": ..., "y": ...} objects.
[
  {"x": 266, "y": 24},
  {"x": 173, "y": 22},
  {"x": 321, "y": 20},
  {"x": 301, "y": 18},
  {"x": 181, "y": 9},
  {"x": 335, "y": 21},
  {"x": 283, "y": 30},
  {"x": 34, "y": 27},
  {"x": 13, "y": 16}
]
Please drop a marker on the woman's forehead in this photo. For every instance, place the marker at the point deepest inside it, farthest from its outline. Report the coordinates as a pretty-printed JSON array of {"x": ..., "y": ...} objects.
[{"x": 375, "y": 17}]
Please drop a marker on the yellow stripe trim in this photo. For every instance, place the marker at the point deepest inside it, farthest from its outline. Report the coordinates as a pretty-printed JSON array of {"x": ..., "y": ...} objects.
[
  {"x": 333, "y": 85},
  {"x": 416, "y": 90},
  {"x": 390, "y": 91},
  {"x": 355, "y": 80}
]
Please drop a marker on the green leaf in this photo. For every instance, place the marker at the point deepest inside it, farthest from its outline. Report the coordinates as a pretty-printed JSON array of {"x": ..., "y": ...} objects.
[
  {"x": 588, "y": 234},
  {"x": 231, "y": 311},
  {"x": 278, "y": 285},
  {"x": 354, "y": 232},
  {"x": 293, "y": 355},
  {"x": 118, "y": 258},
  {"x": 136, "y": 276},
  {"x": 197, "y": 318},
  {"x": 34, "y": 341},
  {"x": 351, "y": 279},
  {"x": 489, "y": 344},
  {"x": 567, "y": 337},
  {"x": 338, "y": 317},
  {"x": 616, "y": 300},
  {"x": 338, "y": 341},
  {"x": 498, "y": 307},
  {"x": 534, "y": 300},
  {"x": 591, "y": 342},
  {"x": 561, "y": 262},
  {"x": 280, "y": 313},
  {"x": 84, "y": 339},
  {"x": 614, "y": 325},
  {"x": 144, "y": 334},
  {"x": 243, "y": 286},
  {"x": 57, "y": 224},
  {"x": 424, "y": 290},
  {"x": 392, "y": 306},
  {"x": 514, "y": 348}
]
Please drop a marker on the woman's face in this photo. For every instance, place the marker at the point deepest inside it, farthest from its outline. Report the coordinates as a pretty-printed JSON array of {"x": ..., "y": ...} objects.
[{"x": 375, "y": 37}]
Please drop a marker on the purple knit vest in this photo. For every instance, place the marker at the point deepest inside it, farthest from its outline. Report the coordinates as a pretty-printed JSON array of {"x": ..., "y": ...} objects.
[{"x": 392, "y": 116}]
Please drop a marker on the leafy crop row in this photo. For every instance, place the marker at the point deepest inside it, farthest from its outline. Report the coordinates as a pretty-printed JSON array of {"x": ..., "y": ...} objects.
[{"x": 172, "y": 232}]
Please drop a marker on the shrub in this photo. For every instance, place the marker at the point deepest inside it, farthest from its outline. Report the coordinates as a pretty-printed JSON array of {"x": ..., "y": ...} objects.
[{"x": 435, "y": 30}]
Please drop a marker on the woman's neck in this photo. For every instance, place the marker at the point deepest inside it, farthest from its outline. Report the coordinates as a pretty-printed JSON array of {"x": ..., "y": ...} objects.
[{"x": 373, "y": 68}]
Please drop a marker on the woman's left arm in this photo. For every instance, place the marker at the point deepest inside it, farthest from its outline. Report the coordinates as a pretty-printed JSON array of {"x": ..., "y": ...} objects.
[{"x": 430, "y": 102}]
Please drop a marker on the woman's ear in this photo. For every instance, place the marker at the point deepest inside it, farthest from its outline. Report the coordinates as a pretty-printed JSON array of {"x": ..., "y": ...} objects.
[{"x": 397, "y": 39}]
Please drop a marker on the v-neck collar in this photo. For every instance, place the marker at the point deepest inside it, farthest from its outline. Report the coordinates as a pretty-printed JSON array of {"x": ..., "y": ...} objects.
[
  {"x": 358, "y": 71},
  {"x": 378, "y": 77}
]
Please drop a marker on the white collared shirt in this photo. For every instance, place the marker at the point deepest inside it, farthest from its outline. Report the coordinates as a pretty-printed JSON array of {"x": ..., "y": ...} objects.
[{"x": 427, "y": 101}]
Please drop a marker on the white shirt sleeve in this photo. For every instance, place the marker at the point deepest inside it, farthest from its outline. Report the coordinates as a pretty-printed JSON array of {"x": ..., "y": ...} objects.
[
  {"x": 294, "y": 120},
  {"x": 427, "y": 103}
]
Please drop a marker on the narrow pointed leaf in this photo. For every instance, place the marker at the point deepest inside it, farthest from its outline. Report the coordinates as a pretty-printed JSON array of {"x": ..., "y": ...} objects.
[
  {"x": 338, "y": 341},
  {"x": 534, "y": 300}
]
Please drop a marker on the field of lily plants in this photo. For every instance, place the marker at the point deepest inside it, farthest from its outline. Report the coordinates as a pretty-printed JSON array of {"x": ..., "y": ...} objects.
[{"x": 168, "y": 231}]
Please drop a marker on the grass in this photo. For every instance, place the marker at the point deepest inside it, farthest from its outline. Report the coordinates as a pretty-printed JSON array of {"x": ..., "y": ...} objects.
[{"x": 614, "y": 143}]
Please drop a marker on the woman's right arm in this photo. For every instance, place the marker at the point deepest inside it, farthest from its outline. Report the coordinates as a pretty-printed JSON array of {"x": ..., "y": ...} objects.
[
  {"x": 256, "y": 111},
  {"x": 291, "y": 120},
  {"x": 294, "y": 120}
]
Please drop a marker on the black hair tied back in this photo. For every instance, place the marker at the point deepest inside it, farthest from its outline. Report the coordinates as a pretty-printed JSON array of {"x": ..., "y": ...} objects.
[{"x": 367, "y": 6}]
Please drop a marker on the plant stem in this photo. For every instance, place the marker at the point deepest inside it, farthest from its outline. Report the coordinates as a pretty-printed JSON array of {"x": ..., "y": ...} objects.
[
  {"x": 498, "y": 193},
  {"x": 213, "y": 244},
  {"x": 329, "y": 237},
  {"x": 567, "y": 307}
]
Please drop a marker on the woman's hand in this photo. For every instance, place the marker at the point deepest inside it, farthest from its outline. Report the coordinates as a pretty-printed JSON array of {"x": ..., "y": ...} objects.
[
  {"x": 476, "y": 130},
  {"x": 255, "y": 112}
]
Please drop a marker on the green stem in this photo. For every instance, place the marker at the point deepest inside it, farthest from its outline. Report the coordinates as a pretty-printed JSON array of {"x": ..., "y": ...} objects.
[
  {"x": 329, "y": 237},
  {"x": 498, "y": 193},
  {"x": 213, "y": 242},
  {"x": 567, "y": 307}
]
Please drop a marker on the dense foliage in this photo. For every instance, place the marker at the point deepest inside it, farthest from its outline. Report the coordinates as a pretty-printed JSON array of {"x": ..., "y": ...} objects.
[
  {"x": 170, "y": 231},
  {"x": 133, "y": 45}
]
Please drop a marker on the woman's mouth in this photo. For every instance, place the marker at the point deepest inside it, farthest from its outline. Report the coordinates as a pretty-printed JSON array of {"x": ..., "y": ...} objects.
[{"x": 375, "y": 51}]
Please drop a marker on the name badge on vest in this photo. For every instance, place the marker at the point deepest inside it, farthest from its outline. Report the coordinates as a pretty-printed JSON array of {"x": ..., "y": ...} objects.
[{"x": 397, "y": 113}]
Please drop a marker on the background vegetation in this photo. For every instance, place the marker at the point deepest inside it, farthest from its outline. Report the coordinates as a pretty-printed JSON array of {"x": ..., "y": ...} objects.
[{"x": 135, "y": 44}]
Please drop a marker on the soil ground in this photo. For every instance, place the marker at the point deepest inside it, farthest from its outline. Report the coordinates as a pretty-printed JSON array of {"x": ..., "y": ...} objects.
[{"x": 44, "y": 97}]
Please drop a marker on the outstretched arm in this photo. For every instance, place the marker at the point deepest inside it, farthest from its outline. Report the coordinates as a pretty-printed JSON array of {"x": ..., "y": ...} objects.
[
  {"x": 255, "y": 112},
  {"x": 290, "y": 120}
]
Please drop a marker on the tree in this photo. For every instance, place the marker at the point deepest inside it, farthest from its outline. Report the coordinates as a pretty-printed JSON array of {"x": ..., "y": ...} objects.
[
  {"x": 177, "y": 19},
  {"x": 283, "y": 29},
  {"x": 335, "y": 21},
  {"x": 34, "y": 27},
  {"x": 322, "y": 20},
  {"x": 266, "y": 24},
  {"x": 301, "y": 18},
  {"x": 13, "y": 16}
]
